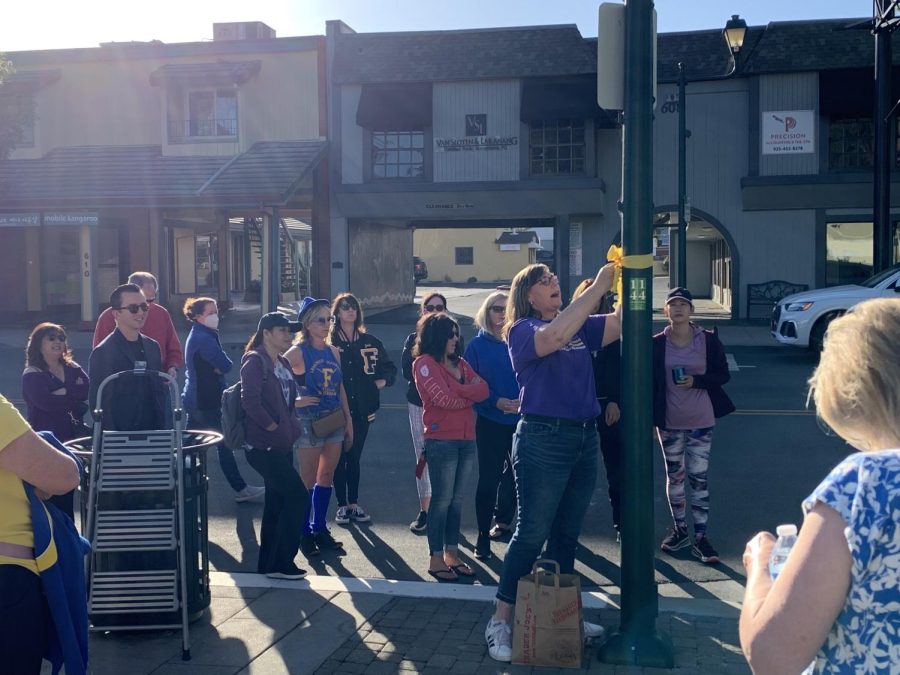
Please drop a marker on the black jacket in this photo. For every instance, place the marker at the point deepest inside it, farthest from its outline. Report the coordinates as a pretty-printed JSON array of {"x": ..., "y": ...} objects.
[
  {"x": 129, "y": 403},
  {"x": 406, "y": 361},
  {"x": 362, "y": 362},
  {"x": 607, "y": 364},
  {"x": 716, "y": 375}
]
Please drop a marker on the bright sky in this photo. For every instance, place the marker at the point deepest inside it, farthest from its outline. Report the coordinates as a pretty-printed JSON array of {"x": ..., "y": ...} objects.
[{"x": 58, "y": 24}]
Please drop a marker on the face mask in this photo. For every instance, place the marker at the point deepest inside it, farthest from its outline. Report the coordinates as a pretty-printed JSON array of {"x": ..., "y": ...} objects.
[{"x": 211, "y": 321}]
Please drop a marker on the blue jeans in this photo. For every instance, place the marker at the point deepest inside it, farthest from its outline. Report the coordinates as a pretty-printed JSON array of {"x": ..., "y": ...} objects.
[
  {"x": 450, "y": 464},
  {"x": 556, "y": 470},
  {"x": 212, "y": 419}
]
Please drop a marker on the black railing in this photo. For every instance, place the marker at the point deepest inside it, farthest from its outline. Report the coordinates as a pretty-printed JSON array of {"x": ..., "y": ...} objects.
[{"x": 180, "y": 130}]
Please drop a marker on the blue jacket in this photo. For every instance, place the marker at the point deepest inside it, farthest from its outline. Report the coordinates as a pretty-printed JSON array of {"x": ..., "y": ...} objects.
[
  {"x": 59, "y": 551},
  {"x": 489, "y": 357},
  {"x": 203, "y": 355}
]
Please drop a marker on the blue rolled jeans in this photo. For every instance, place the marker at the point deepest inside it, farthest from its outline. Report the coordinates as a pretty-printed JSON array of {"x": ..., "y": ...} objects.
[
  {"x": 555, "y": 466},
  {"x": 451, "y": 465},
  {"x": 212, "y": 419}
]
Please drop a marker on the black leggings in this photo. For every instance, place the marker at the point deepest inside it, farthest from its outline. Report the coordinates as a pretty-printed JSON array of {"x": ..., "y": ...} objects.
[
  {"x": 611, "y": 449},
  {"x": 346, "y": 473},
  {"x": 24, "y": 618},
  {"x": 494, "y": 443}
]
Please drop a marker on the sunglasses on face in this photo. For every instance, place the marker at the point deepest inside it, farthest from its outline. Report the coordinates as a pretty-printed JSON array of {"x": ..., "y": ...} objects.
[
  {"x": 322, "y": 320},
  {"x": 61, "y": 337},
  {"x": 134, "y": 308},
  {"x": 546, "y": 280},
  {"x": 499, "y": 309},
  {"x": 454, "y": 334},
  {"x": 345, "y": 306},
  {"x": 434, "y": 308}
]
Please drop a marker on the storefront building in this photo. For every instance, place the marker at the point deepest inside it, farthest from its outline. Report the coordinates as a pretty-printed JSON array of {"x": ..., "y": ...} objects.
[
  {"x": 499, "y": 128},
  {"x": 167, "y": 158}
]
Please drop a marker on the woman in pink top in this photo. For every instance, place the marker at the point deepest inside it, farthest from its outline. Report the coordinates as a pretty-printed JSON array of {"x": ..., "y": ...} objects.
[
  {"x": 448, "y": 387},
  {"x": 689, "y": 369}
]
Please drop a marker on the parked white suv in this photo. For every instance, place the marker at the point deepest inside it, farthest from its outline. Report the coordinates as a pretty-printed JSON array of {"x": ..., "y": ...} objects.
[{"x": 801, "y": 319}]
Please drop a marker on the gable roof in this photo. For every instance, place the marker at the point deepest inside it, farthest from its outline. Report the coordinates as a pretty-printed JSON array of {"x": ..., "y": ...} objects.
[
  {"x": 97, "y": 176},
  {"x": 270, "y": 170},
  {"x": 552, "y": 51},
  {"x": 528, "y": 237},
  {"x": 531, "y": 51}
]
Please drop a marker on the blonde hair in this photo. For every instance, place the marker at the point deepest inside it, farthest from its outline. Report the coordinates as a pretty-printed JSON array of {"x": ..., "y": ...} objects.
[
  {"x": 579, "y": 291},
  {"x": 313, "y": 313},
  {"x": 856, "y": 386},
  {"x": 517, "y": 304},
  {"x": 481, "y": 316}
]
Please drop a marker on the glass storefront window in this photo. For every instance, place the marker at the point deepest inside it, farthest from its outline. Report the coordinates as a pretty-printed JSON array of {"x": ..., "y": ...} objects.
[
  {"x": 848, "y": 253},
  {"x": 61, "y": 269}
]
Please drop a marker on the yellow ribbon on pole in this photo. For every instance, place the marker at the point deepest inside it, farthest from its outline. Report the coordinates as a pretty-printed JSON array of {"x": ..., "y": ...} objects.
[{"x": 636, "y": 262}]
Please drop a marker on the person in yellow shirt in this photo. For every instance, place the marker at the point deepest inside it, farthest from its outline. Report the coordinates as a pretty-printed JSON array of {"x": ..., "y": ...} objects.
[{"x": 24, "y": 456}]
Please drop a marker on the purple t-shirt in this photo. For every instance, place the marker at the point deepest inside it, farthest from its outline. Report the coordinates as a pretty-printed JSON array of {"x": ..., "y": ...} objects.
[
  {"x": 560, "y": 384},
  {"x": 687, "y": 408}
]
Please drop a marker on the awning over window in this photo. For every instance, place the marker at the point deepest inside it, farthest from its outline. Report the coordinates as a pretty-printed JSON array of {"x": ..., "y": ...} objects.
[
  {"x": 218, "y": 74},
  {"x": 547, "y": 99},
  {"x": 395, "y": 107}
]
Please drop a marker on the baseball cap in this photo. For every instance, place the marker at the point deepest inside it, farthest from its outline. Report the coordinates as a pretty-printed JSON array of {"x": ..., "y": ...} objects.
[
  {"x": 679, "y": 293},
  {"x": 275, "y": 319}
]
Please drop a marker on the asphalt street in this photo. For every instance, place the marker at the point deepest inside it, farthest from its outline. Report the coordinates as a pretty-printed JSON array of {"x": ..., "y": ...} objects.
[{"x": 766, "y": 458}]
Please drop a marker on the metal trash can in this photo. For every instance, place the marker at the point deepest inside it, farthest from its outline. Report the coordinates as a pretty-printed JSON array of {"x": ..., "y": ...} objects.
[{"x": 196, "y": 537}]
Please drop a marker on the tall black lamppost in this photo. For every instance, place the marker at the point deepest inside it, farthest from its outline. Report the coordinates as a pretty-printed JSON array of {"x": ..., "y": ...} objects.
[
  {"x": 734, "y": 32},
  {"x": 884, "y": 23}
]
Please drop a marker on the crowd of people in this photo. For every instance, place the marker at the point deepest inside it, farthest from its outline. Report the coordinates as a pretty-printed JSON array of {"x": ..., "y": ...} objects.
[{"x": 533, "y": 401}]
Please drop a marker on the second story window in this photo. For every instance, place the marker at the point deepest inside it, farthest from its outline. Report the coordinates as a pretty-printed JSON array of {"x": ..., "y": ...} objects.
[
  {"x": 556, "y": 147},
  {"x": 850, "y": 143},
  {"x": 212, "y": 113},
  {"x": 398, "y": 154}
]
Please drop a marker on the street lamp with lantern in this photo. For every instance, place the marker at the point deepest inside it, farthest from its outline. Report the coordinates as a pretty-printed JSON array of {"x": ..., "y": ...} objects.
[{"x": 734, "y": 32}]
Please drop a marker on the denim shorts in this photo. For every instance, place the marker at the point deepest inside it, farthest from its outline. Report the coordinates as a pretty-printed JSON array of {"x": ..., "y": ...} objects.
[{"x": 308, "y": 439}]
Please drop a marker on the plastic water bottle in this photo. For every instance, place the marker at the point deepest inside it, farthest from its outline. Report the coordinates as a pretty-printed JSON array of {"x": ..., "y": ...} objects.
[{"x": 787, "y": 537}]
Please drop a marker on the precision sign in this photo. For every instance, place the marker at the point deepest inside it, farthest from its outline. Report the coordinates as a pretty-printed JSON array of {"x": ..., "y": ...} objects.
[{"x": 788, "y": 132}]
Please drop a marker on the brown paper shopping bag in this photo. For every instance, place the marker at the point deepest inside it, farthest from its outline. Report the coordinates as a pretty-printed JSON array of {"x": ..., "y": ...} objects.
[{"x": 548, "y": 630}]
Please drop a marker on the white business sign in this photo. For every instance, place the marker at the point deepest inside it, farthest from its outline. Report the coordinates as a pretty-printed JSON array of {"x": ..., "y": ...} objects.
[{"x": 788, "y": 132}]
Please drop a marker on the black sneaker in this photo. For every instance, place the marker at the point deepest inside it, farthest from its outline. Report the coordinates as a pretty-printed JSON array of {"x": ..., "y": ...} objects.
[
  {"x": 420, "y": 523},
  {"x": 676, "y": 540},
  {"x": 483, "y": 547},
  {"x": 326, "y": 541},
  {"x": 703, "y": 549},
  {"x": 308, "y": 546},
  {"x": 292, "y": 572}
]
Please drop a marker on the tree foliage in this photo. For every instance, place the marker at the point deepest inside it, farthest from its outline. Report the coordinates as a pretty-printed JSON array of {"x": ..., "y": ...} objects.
[{"x": 16, "y": 110}]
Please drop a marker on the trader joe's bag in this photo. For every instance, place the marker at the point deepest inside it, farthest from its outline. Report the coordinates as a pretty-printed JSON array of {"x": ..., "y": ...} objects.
[{"x": 548, "y": 630}]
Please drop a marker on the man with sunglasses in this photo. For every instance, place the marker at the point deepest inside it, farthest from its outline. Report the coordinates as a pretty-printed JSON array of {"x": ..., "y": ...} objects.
[
  {"x": 129, "y": 403},
  {"x": 157, "y": 323}
]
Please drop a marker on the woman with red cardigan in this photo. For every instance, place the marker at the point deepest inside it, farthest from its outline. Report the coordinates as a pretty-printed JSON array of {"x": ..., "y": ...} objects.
[{"x": 448, "y": 387}]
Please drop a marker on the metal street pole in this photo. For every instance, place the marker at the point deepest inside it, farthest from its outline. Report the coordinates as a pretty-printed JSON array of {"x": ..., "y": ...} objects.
[
  {"x": 883, "y": 138},
  {"x": 637, "y": 641},
  {"x": 682, "y": 177}
]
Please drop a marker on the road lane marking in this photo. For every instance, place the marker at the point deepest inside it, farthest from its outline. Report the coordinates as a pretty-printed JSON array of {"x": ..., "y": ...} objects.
[{"x": 733, "y": 364}]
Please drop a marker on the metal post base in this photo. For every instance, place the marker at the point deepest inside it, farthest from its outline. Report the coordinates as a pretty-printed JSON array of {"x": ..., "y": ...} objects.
[{"x": 654, "y": 650}]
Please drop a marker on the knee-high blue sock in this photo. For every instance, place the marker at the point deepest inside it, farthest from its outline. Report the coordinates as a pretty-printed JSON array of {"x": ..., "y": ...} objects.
[{"x": 321, "y": 496}]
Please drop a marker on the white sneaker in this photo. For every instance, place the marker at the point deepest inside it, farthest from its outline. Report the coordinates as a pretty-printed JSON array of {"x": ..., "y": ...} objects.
[
  {"x": 250, "y": 493},
  {"x": 342, "y": 517},
  {"x": 359, "y": 515},
  {"x": 499, "y": 640},
  {"x": 593, "y": 630}
]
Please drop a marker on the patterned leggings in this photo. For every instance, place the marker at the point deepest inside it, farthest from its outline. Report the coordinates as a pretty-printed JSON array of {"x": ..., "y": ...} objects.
[{"x": 687, "y": 450}]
